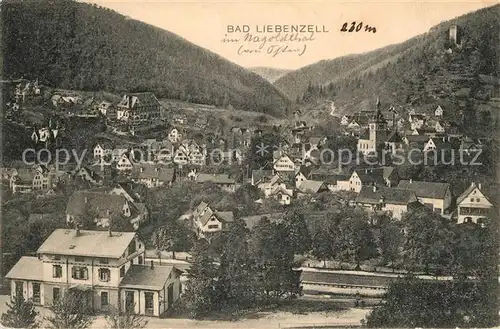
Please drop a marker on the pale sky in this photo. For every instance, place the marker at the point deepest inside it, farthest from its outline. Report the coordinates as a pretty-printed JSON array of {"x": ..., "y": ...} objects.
[{"x": 204, "y": 22}]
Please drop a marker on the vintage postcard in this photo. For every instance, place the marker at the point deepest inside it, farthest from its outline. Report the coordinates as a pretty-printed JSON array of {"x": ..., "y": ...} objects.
[{"x": 249, "y": 164}]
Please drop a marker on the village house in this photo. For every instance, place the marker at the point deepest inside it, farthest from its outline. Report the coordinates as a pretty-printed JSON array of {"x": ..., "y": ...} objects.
[
  {"x": 416, "y": 120},
  {"x": 222, "y": 180},
  {"x": 439, "y": 112},
  {"x": 157, "y": 151},
  {"x": 37, "y": 178},
  {"x": 377, "y": 134},
  {"x": 436, "y": 196},
  {"x": 284, "y": 164},
  {"x": 277, "y": 189},
  {"x": 207, "y": 221},
  {"x": 384, "y": 176},
  {"x": 181, "y": 156},
  {"x": 106, "y": 268},
  {"x": 139, "y": 109},
  {"x": 437, "y": 144},
  {"x": 152, "y": 175},
  {"x": 102, "y": 207},
  {"x": 88, "y": 174},
  {"x": 393, "y": 143},
  {"x": 260, "y": 175},
  {"x": 394, "y": 200},
  {"x": 107, "y": 109},
  {"x": 312, "y": 187},
  {"x": 344, "y": 121},
  {"x": 473, "y": 206},
  {"x": 174, "y": 136}
]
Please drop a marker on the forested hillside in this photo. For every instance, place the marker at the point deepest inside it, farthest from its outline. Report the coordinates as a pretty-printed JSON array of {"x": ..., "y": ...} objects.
[
  {"x": 424, "y": 70},
  {"x": 85, "y": 47},
  {"x": 269, "y": 73}
]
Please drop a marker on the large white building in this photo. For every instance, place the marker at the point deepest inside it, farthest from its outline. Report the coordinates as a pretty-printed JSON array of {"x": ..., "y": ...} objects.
[{"x": 107, "y": 268}]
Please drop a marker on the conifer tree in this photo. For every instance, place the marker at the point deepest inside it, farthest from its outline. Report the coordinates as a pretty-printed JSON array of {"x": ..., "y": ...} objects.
[{"x": 20, "y": 314}]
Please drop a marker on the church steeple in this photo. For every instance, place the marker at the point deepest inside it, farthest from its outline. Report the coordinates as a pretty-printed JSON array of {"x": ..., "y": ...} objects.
[{"x": 378, "y": 115}]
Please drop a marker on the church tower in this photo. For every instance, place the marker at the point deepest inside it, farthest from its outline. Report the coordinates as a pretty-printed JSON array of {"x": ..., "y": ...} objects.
[{"x": 378, "y": 127}]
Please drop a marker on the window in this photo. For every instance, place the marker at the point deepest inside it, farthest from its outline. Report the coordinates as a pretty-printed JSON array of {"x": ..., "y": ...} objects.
[
  {"x": 36, "y": 292},
  {"x": 104, "y": 299},
  {"x": 80, "y": 259},
  {"x": 57, "y": 257},
  {"x": 103, "y": 261},
  {"x": 471, "y": 199},
  {"x": 104, "y": 274},
  {"x": 56, "y": 271},
  {"x": 122, "y": 271},
  {"x": 148, "y": 301},
  {"x": 56, "y": 293},
  {"x": 213, "y": 226},
  {"x": 19, "y": 288},
  {"x": 132, "y": 247},
  {"x": 79, "y": 273},
  {"x": 140, "y": 260},
  {"x": 477, "y": 200}
]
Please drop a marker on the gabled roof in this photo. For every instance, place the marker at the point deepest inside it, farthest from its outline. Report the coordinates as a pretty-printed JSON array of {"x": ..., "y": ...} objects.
[
  {"x": 146, "y": 99},
  {"x": 252, "y": 221},
  {"x": 86, "y": 243},
  {"x": 372, "y": 175},
  {"x": 260, "y": 174},
  {"x": 150, "y": 171},
  {"x": 97, "y": 202},
  {"x": 417, "y": 138},
  {"x": 389, "y": 195},
  {"x": 145, "y": 277},
  {"x": 27, "y": 268},
  {"x": 312, "y": 186},
  {"x": 394, "y": 138},
  {"x": 423, "y": 189},
  {"x": 468, "y": 191},
  {"x": 215, "y": 178},
  {"x": 281, "y": 189}
]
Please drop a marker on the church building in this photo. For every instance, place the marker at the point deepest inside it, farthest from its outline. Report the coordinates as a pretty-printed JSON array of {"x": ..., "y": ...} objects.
[{"x": 373, "y": 140}]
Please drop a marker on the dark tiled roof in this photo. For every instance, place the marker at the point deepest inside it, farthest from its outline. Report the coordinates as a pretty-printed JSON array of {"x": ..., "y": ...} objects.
[
  {"x": 425, "y": 189},
  {"x": 215, "y": 178},
  {"x": 394, "y": 138},
  {"x": 252, "y": 221},
  {"x": 389, "y": 194},
  {"x": 261, "y": 174},
  {"x": 312, "y": 186},
  {"x": 98, "y": 202},
  {"x": 145, "y": 277},
  {"x": 87, "y": 243},
  {"x": 150, "y": 171}
]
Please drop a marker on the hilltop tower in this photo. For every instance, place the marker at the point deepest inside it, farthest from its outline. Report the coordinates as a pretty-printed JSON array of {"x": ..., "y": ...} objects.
[{"x": 453, "y": 34}]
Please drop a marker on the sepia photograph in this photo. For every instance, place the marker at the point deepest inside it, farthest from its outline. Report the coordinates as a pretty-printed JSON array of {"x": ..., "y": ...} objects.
[{"x": 223, "y": 164}]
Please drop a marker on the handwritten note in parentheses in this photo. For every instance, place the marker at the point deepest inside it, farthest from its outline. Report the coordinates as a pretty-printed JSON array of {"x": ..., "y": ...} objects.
[{"x": 272, "y": 40}]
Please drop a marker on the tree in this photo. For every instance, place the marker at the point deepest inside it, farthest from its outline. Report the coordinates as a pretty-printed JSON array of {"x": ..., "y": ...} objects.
[
  {"x": 295, "y": 222},
  {"x": 325, "y": 241},
  {"x": 390, "y": 241},
  {"x": 125, "y": 320},
  {"x": 428, "y": 240},
  {"x": 200, "y": 293},
  {"x": 411, "y": 302},
  {"x": 272, "y": 250},
  {"x": 70, "y": 312},
  {"x": 236, "y": 280},
  {"x": 20, "y": 314},
  {"x": 174, "y": 237},
  {"x": 357, "y": 241}
]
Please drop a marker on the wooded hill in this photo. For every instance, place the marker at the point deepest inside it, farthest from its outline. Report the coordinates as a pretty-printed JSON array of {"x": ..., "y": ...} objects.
[
  {"x": 424, "y": 70},
  {"x": 271, "y": 74},
  {"x": 86, "y": 47}
]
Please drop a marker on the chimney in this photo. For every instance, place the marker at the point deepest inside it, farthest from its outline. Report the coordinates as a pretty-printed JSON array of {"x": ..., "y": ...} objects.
[
  {"x": 77, "y": 229},
  {"x": 109, "y": 231},
  {"x": 479, "y": 186},
  {"x": 374, "y": 188},
  {"x": 142, "y": 169},
  {"x": 152, "y": 264},
  {"x": 86, "y": 200},
  {"x": 411, "y": 180}
]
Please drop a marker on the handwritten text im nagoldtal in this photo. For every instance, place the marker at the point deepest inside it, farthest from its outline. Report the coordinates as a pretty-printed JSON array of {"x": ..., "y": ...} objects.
[{"x": 272, "y": 40}]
